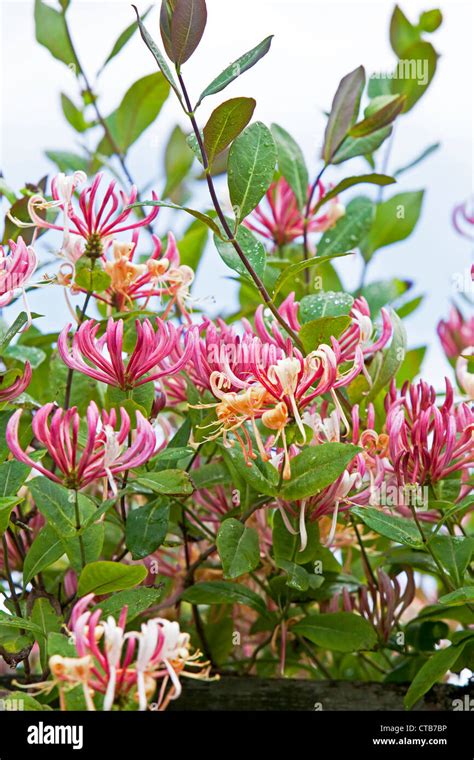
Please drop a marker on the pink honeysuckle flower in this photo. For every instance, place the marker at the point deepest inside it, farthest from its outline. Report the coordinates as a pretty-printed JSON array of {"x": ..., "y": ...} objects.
[
  {"x": 276, "y": 394},
  {"x": 123, "y": 664},
  {"x": 360, "y": 333},
  {"x": 455, "y": 333},
  {"x": 282, "y": 222},
  {"x": 17, "y": 387},
  {"x": 427, "y": 443},
  {"x": 105, "y": 453},
  {"x": 381, "y": 604},
  {"x": 101, "y": 358},
  {"x": 97, "y": 220},
  {"x": 16, "y": 269},
  {"x": 463, "y": 219},
  {"x": 465, "y": 378}
]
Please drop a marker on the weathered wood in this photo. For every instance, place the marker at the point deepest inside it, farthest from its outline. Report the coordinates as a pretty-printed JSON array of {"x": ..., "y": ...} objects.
[{"x": 251, "y": 693}]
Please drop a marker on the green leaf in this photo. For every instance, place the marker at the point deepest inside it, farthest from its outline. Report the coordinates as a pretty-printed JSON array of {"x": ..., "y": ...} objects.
[
  {"x": 427, "y": 152},
  {"x": 393, "y": 358},
  {"x": 344, "y": 111},
  {"x": 7, "y": 504},
  {"x": 26, "y": 702},
  {"x": 414, "y": 72},
  {"x": 395, "y": 219},
  {"x": 238, "y": 548},
  {"x": 91, "y": 276},
  {"x": 257, "y": 476},
  {"x": 251, "y": 165},
  {"x": 139, "y": 108},
  {"x": 59, "y": 643},
  {"x": 317, "y": 467},
  {"x": 454, "y": 553},
  {"x": 146, "y": 529},
  {"x": 224, "y": 592},
  {"x": 142, "y": 397},
  {"x": 361, "y": 146},
  {"x": 398, "y": 529},
  {"x": 373, "y": 179},
  {"x": 382, "y": 292},
  {"x": 381, "y": 117},
  {"x": 178, "y": 161},
  {"x": 67, "y": 161},
  {"x": 431, "y": 672},
  {"x": 7, "y": 336},
  {"x": 429, "y": 21},
  {"x": 35, "y": 356},
  {"x": 325, "y": 304},
  {"x": 12, "y": 621},
  {"x": 192, "y": 245},
  {"x": 350, "y": 229},
  {"x": 250, "y": 245},
  {"x": 338, "y": 631},
  {"x": 122, "y": 40},
  {"x": 46, "y": 618},
  {"x": 298, "y": 577},
  {"x": 12, "y": 476},
  {"x": 225, "y": 123},
  {"x": 238, "y": 67},
  {"x": 157, "y": 55},
  {"x": 318, "y": 331},
  {"x": 460, "y": 596},
  {"x": 197, "y": 214},
  {"x": 51, "y": 31},
  {"x": 73, "y": 115},
  {"x": 56, "y": 503},
  {"x": 284, "y": 543},
  {"x": 46, "y": 549},
  {"x": 290, "y": 272},
  {"x": 187, "y": 23},
  {"x": 291, "y": 164},
  {"x": 107, "y": 577},
  {"x": 402, "y": 33},
  {"x": 168, "y": 482},
  {"x": 137, "y": 600}
]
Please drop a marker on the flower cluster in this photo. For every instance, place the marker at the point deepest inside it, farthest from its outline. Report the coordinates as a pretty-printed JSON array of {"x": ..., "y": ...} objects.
[{"x": 123, "y": 665}]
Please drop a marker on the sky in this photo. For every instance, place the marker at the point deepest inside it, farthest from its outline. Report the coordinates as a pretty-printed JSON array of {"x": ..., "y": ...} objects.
[{"x": 315, "y": 44}]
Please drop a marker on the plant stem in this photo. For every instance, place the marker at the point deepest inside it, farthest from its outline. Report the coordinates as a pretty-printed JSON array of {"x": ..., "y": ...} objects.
[
  {"x": 78, "y": 528},
  {"x": 364, "y": 553},
  {"x": 196, "y": 615},
  {"x": 444, "y": 578},
  {"x": 306, "y": 220},
  {"x": 9, "y": 577},
  {"x": 225, "y": 225}
]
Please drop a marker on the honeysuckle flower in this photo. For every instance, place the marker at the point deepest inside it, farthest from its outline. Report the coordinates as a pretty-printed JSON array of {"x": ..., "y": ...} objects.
[
  {"x": 360, "y": 334},
  {"x": 17, "y": 387},
  {"x": 161, "y": 274},
  {"x": 427, "y": 443},
  {"x": 102, "y": 358},
  {"x": 282, "y": 222},
  {"x": 465, "y": 378},
  {"x": 105, "y": 453},
  {"x": 97, "y": 219},
  {"x": 16, "y": 269},
  {"x": 119, "y": 663},
  {"x": 455, "y": 333},
  {"x": 463, "y": 219},
  {"x": 381, "y": 604}
]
